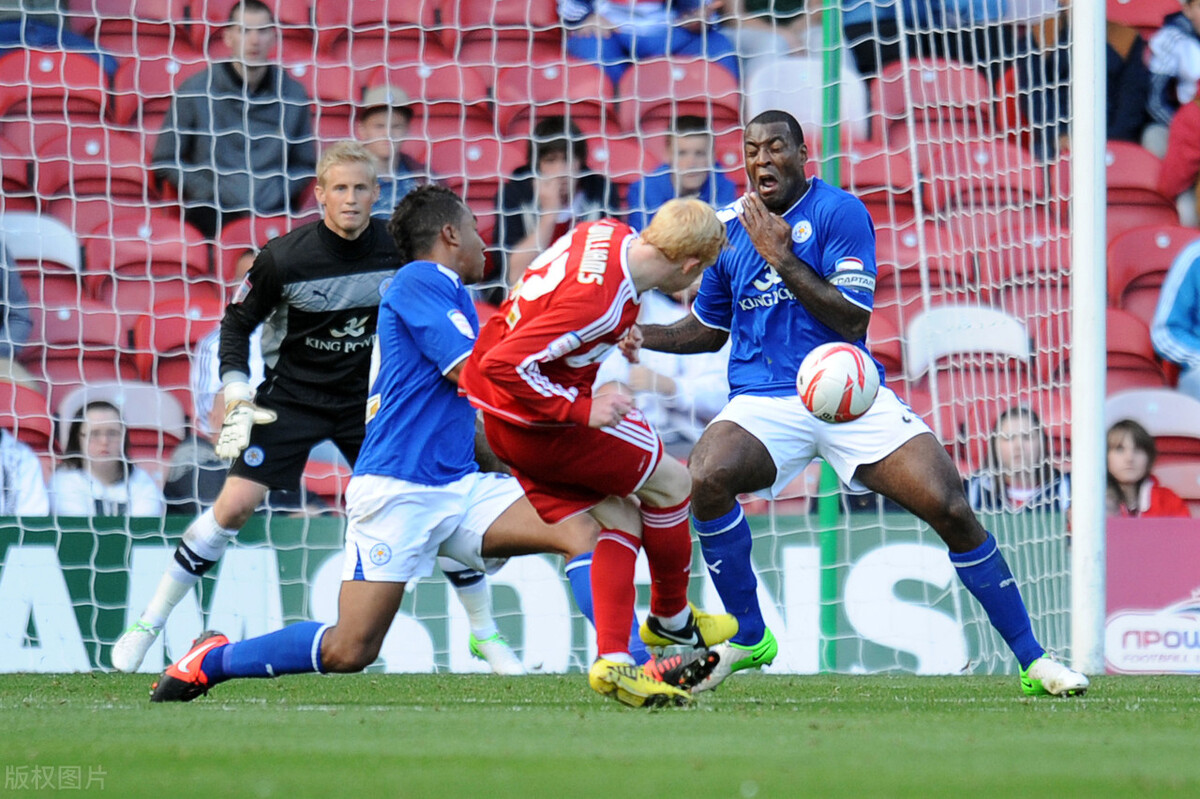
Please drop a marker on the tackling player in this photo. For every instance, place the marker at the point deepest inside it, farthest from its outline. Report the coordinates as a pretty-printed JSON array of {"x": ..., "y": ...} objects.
[
  {"x": 532, "y": 375},
  {"x": 316, "y": 293},
  {"x": 799, "y": 272},
  {"x": 417, "y": 491}
]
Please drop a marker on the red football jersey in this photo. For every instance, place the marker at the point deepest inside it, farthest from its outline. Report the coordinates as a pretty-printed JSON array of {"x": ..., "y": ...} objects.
[{"x": 536, "y": 359}]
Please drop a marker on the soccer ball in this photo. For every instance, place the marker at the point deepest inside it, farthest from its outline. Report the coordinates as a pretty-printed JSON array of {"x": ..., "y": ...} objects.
[{"x": 837, "y": 382}]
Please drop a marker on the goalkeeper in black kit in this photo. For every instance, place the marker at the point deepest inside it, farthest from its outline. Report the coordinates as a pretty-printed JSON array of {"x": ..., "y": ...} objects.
[{"x": 316, "y": 291}]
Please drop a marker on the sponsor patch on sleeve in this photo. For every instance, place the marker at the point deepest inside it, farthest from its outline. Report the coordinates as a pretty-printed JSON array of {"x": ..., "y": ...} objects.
[
  {"x": 242, "y": 291},
  {"x": 461, "y": 323},
  {"x": 848, "y": 264}
]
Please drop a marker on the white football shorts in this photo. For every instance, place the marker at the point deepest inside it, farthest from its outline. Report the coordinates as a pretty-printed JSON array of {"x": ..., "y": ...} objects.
[
  {"x": 794, "y": 436},
  {"x": 396, "y": 529}
]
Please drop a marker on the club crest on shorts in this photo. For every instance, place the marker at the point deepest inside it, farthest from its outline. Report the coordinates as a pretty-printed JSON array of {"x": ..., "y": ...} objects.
[
  {"x": 253, "y": 456},
  {"x": 802, "y": 231},
  {"x": 380, "y": 554}
]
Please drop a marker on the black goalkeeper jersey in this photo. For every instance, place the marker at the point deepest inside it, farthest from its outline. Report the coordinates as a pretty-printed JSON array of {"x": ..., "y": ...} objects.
[{"x": 317, "y": 297}]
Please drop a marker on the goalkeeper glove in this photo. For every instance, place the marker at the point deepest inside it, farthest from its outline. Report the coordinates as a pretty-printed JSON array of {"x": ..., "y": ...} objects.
[{"x": 240, "y": 416}]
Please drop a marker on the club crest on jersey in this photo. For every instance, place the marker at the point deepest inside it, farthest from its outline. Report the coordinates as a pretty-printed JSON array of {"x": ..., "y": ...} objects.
[
  {"x": 461, "y": 323},
  {"x": 802, "y": 231},
  {"x": 253, "y": 456},
  {"x": 380, "y": 554}
]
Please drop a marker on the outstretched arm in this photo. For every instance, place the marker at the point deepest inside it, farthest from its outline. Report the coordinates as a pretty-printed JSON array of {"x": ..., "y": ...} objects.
[{"x": 684, "y": 337}]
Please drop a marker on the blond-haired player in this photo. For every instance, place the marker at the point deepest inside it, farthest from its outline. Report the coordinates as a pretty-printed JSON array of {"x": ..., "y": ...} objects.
[{"x": 532, "y": 373}]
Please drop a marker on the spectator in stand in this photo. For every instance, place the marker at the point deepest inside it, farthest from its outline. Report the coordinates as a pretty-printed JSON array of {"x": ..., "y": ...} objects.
[
  {"x": 22, "y": 485},
  {"x": 39, "y": 24},
  {"x": 1044, "y": 81},
  {"x": 1128, "y": 83},
  {"x": 237, "y": 139},
  {"x": 1174, "y": 71},
  {"x": 548, "y": 195},
  {"x": 1132, "y": 489},
  {"x": 383, "y": 120},
  {"x": 678, "y": 394},
  {"x": 615, "y": 33},
  {"x": 1019, "y": 475},
  {"x": 15, "y": 323},
  {"x": 1175, "y": 329},
  {"x": 1181, "y": 165},
  {"x": 872, "y": 34},
  {"x": 764, "y": 30},
  {"x": 689, "y": 172},
  {"x": 96, "y": 477}
]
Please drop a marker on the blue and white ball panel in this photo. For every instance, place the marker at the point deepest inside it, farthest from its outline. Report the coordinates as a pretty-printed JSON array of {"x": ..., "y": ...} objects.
[
  {"x": 396, "y": 529},
  {"x": 794, "y": 436}
]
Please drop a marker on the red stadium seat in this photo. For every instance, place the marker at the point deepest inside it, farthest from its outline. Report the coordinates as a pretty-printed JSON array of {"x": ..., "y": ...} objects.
[
  {"x": 882, "y": 178},
  {"x": 505, "y": 33},
  {"x": 622, "y": 159},
  {"x": 164, "y": 341},
  {"x": 1138, "y": 261},
  {"x": 248, "y": 234},
  {"x": 1039, "y": 253},
  {"x": 80, "y": 343},
  {"x": 327, "y": 480},
  {"x": 135, "y": 263},
  {"x": 16, "y": 169},
  {"x": 105, "y": 163},
  {"x": 581, "y": 91},
  {"x": 993, "y": 174},
  {"x": 56, "y": 84},
  {"x": 947, "y": 99},
  {"x": 388, "y": 33},
  {"x": 135, "y": 28},
  {"x": 143, "y": 89},
  {"x": 475, "y": 167},
  {"x": 338, "y": 90},
  {"x": 654, "y": 91},
  {"x": 1120, "y": 218},
  {"x": 24, "y": 413},
  {"x": 898, "y": 258}
]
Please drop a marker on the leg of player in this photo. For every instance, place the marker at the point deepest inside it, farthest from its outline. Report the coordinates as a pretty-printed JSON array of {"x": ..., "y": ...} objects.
[
  {"x": 475, "y": 594},
  {"x": 203, "y": 543},
  {"x": 365, "y": 613},
  {"x": 921, "y": 477},
  {"x": 667, "y": 538},
  {"x": 725, "y": 462},
  {"x": 573, "y": 539}
]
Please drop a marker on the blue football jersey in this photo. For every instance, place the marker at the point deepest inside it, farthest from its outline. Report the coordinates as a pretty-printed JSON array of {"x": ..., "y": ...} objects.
[
  {"x": 771, "y": 330},
  {"x": 418, "y": 428}
]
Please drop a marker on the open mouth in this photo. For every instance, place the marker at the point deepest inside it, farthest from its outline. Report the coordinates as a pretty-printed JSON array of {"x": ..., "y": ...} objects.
[{"x": 767, "y": 184}]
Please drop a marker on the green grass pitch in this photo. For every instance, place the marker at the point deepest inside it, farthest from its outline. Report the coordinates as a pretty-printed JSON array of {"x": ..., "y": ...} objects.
[{"x": 376, "y": 735}]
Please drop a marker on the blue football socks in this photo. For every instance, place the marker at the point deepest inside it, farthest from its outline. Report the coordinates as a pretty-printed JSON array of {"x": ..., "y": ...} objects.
[
  {"x": 296, "y": 649},
  {"x": 986, "y": 575},
  {"x": 725, "y": 543},
  {"x": 579, "y": 574}
]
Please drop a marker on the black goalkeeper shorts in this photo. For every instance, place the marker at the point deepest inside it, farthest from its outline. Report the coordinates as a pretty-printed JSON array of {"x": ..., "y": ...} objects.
[{"x": 278, "y": 451}]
